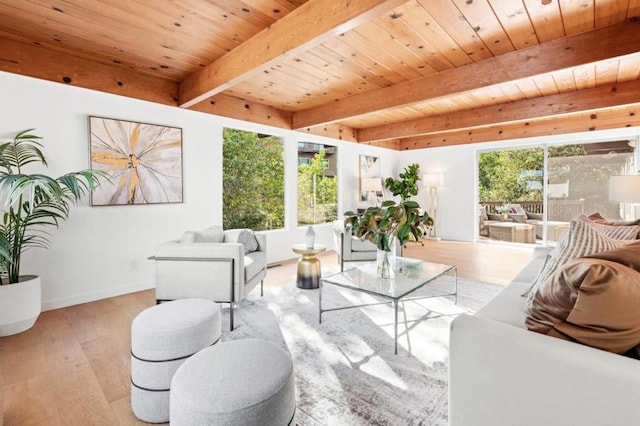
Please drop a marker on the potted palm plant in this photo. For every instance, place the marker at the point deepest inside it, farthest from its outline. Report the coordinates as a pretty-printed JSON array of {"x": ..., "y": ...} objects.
[
  {"x": 392, "y": 219},
  {"x": 30, "y": 203}
]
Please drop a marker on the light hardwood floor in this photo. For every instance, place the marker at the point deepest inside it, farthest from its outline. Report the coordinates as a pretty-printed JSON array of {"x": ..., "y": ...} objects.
[{"x": 72, "y": 367}]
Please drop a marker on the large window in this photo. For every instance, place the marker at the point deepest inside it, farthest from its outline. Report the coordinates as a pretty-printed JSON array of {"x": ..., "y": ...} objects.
[
  {"x": 513, "y": 182},
  {"x": 253, "y": 181},
  {"x": 317, "y": 183},
  {"x": 579, "y": 178}
]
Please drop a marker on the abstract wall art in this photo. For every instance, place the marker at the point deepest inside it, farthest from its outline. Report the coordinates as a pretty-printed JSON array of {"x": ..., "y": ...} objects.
[
  {"x": 143, "y": 160},
  {"x": 370, "y": 174}
]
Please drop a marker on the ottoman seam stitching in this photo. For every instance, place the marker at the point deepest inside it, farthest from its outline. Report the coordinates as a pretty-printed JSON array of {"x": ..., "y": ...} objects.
[
  {"x": 148, "y": 389},
  {"x": 172, "y": 359}
]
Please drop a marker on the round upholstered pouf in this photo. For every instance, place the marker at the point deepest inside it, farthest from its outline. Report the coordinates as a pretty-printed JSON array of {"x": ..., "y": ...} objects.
[
  {"x": 163, "y": 337},
  {"x": 242, "y": 382}
]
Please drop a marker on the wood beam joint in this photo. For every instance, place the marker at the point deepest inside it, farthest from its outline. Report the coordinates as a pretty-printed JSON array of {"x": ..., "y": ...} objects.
[{"x": 306, "y": 27}]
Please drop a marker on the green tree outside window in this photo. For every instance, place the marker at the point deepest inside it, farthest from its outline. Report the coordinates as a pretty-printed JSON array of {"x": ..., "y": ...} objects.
[
  {"x": 253, "y": 181},
  {"x": 317, "y": 192}
]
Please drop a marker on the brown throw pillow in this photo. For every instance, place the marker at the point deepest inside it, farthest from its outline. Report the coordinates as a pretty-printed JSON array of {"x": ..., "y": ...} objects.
[
  {"x": 580, "y": 240},
  {"x": 627, "y": 255},
  {"x": 593, "y": 301}
]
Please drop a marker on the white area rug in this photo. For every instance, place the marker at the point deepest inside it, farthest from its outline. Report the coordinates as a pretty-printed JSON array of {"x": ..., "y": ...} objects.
[{"x": 346, "y": 371}]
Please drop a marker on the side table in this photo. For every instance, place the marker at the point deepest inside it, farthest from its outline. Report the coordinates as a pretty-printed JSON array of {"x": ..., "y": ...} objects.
[{"x": 309, "y": 272}]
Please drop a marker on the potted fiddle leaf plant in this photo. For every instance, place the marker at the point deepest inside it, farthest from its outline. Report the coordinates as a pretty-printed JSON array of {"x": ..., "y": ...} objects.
[
  {"x": 392, "y": 220},
  {"x": 381, "y": 225},
  {"x": 30, "y": 203},
  {"x": 407, "y": 186}
]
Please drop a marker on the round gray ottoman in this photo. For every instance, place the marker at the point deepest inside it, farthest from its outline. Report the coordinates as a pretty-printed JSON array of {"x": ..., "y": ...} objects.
[
  {"x": 163, "y": 337},
  {"x": 242, "y": 382}
]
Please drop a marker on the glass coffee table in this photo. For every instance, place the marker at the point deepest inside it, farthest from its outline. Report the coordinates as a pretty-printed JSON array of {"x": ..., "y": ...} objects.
[{"x": 412, "y": 277}]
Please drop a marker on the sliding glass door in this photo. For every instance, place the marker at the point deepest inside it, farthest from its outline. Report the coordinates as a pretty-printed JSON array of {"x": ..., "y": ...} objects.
[
  {"x": 579, "y": 181},
  {"x": 510, "y": 188},
  {"x": 517, "y": 187}
]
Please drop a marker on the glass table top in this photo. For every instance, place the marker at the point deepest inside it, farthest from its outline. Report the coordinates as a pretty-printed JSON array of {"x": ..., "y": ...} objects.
[{"x": 410, "y": 275}]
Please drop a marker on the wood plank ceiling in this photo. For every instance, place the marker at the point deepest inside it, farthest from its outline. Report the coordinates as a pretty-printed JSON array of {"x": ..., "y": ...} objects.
[{"x": 404, "y": 74}]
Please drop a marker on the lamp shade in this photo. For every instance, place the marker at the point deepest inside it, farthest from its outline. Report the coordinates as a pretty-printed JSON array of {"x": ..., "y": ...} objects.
[
  {"x": 624, "y": 189},
  {"x": 432, "y": 179},
  {"x": 371, "y": 184}
]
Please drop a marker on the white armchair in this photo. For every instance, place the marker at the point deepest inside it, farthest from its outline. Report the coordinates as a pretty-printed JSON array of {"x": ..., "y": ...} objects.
[{"x": 223, "y": 266}]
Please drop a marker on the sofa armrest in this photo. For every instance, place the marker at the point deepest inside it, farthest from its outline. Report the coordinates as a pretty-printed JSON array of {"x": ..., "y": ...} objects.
[
  {"x": 338, "y": 234},
  {"x": 504, "y": 375},
  {"x": 199, "y": 269},
  {"x": 347, "y": 239},
  {"x": 200, "y": 250}
]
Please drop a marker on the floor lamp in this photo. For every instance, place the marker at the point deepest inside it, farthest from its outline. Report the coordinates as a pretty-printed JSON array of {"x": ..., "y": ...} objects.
[
  {"x": 624, "y": 189},
  {"x": 433, "y": 181}
]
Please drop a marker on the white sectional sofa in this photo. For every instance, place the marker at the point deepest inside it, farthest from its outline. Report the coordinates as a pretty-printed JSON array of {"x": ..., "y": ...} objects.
[{"x": 502, "y": 374}]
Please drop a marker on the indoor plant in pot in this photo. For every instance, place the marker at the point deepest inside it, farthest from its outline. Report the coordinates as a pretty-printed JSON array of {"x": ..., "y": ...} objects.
[
  {"x": 402, "y": 220},
  {"x": 380, "y": 225},
  {"x": 29, "y": 204},
  {"x": 407, "y": 185}
]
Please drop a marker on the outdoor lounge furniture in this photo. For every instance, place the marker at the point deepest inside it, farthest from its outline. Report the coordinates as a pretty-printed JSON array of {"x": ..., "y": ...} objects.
[
  {"x": 501, "y": 232},
  {"x": 555, "y": 229},
  {"x": 512, "y": 232}
]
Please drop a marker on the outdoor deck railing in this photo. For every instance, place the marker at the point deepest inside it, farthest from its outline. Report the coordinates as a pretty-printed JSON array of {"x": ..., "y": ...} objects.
[{"x": 559, "y": 210}]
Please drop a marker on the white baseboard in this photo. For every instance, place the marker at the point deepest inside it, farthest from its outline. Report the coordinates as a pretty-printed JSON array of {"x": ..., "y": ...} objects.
[{"x": 63, "y": 302}]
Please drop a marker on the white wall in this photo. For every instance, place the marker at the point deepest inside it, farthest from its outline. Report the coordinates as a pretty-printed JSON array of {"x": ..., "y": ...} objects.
[
  {"x": 102, "y": 251},
  {"x": 457, "y": 213}
]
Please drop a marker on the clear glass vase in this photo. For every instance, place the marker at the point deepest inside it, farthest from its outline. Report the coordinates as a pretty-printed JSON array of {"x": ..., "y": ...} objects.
[{"x": 386, "y": 261}]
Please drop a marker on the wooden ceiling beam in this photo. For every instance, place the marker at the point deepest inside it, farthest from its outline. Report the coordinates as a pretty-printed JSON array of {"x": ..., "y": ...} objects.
[
  {"x": 610, "y": 95},
  {"x": 594, "y": 46},
  {"x": 241, "y": 109},
  {"x": 39, "y": 62},
  {"x": 610, "y": 118},
  {"x": 394, "y": 144},
  {"x": 297, "y": 32},
  {"x": 335, "y": 131}
]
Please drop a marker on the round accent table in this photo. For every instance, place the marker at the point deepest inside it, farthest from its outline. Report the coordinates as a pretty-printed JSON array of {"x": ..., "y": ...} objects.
[{"x": 308, "y": 266}]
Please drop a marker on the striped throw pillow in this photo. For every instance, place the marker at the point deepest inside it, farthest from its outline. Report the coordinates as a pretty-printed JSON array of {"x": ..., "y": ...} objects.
[
  {"x": 580, "y": 240},
  {"x": 616, "y": 232}
]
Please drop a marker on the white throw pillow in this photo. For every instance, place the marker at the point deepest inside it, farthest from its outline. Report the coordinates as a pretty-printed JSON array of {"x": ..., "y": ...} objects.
[
  {"x": 213, "y": 234},
  {"x": 188, "y": 237},
  {"x": 248, "y": 239}
]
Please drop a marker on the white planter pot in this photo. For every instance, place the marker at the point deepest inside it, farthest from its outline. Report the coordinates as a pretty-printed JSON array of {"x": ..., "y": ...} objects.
[{"x": 20, "y": 305}]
